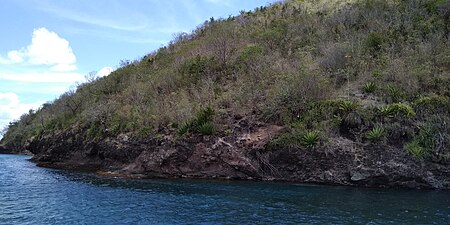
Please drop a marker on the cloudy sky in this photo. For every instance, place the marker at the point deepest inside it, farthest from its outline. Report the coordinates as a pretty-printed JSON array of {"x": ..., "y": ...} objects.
[{"x": 46, "y": 46}]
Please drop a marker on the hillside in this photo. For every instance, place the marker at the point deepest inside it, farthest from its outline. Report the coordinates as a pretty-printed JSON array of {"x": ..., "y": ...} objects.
[{"x": 337, "y": 92}]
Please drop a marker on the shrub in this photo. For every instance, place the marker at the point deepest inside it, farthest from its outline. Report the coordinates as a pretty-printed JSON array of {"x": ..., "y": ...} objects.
[
  {"x": 400, "y": 131},
  {"x": 193, "y": 69},
  {"x": 206, "y": 128},
  {"x": 293, "y": 96},
  {"x": 311, "y": 138},
  {"x": 394, "y": 94},
  {"x": 406, "y": 109},
  {"x": 334, "y": 57},
  {"x": 416, "y": 150},
  {"x": 433, "y": 138},
  {"x": 288, "y": 140},
  {"x": 250, "y": 52},
  {"x": 446, "y": 157},
  {"x": 376, "y": 134},
  {"x": 387, "y": 111},
  {"x": 396, "y": 109},
  {"x": 430, "y": 105},
  {"x": 439, "y": 85},
  {"x": 321, "y": 112},
  {"x": 184, "y": 128},
  {"x": 201, "y": 124},
  {"x": 347, "y": 106},
  {"x": 350, "y": 117},
  {"x": 434, "y": 134},
  {"x": 369, "y": 87},
  {"x": 374, "y": 42},
  {"x": 377, "y": 74},
  {"x": 94, "y": 131},
  {"x": 204, "y": 116}
]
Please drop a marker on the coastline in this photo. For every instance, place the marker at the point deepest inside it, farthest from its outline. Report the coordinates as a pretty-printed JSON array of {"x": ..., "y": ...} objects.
[
  {"x": 117, "y": 174},
  {"x": 238, "y": 158},
  {"x": 6, "y": 151}
]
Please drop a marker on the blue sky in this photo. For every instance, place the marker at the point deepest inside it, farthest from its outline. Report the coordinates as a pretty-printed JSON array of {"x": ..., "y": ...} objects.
[{"x": 46, "y": 46}]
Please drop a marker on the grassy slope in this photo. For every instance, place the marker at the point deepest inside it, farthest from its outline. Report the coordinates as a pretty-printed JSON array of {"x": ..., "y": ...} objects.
[{"x": 372, "y": 71}]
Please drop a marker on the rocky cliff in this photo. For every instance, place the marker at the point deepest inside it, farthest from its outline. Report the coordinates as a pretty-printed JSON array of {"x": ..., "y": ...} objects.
[{"x": 241, "y": 156}]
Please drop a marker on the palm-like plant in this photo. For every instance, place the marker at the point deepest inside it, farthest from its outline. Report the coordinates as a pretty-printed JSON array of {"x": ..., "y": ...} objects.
[
  {"x": 311, "y": 138},
  {"x": 376, "y": 134},
  {"x": 369, "y": 87},
  {"x": 416, "y": 150},
  {"x": 347, "y": 106},
  {"x": 206, "y": 128}
]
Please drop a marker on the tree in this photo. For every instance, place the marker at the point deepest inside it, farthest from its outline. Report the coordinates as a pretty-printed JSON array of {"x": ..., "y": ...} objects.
[
  {"x": 91, "y": 77},
  {"x": 223, "y": 41},
  {"x": 71, "y": 101}
]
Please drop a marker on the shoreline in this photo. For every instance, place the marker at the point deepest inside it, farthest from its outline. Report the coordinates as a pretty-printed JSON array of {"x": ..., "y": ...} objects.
[
  {"x": 98, "y": 171},
  {"x": 116, "y": 174},
  {"x": 16, "y": 153},
  {"x": 239, "y": 156}
]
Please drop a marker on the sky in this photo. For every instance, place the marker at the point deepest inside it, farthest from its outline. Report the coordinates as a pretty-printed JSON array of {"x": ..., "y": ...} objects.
[{"x": 48, "y": 46}]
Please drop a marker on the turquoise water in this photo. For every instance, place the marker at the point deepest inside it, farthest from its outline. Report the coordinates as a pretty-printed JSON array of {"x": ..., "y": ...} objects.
[{"x": 33, "y": 195}]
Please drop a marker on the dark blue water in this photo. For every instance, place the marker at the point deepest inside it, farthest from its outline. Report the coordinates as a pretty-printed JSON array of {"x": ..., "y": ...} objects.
[{"x": 32, "y": 195}]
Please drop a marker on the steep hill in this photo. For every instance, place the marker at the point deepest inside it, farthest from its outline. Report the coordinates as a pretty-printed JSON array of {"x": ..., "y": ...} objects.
[{"x": 339, "y": 92}]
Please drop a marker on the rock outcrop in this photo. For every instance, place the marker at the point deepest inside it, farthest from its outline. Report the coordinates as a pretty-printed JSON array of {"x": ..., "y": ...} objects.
[
  {"x": 241, "y": 155},
  {"x": 3, "y": 150}
]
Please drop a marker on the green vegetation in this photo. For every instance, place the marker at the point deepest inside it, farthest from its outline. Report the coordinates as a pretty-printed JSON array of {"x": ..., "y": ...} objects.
[
  {"x": 374, "y": 42},
  {"x": 202, "y": 123},
  {"x": 416, "y": 150},
  {"x": 348, "y": 106},
  {"x": 299, "y": 64},
  {"x": 376, "y": 134},
  {"x": 433, "y": 138},
  {"x": 311, "y": 138},
  {"x": 394, "y": 94},
  {"x": 369, "y": 87},
  {"x": 397, "y": 109}
]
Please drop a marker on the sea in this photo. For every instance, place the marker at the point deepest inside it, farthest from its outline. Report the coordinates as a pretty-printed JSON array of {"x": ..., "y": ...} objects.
[{"x": 34, "y": 195}]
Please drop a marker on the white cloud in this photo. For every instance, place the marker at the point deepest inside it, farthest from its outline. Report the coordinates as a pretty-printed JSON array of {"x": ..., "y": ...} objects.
[
  {"x": 105, "y": 71},
  {"x": 47, "y": 48},
  {"x": 63, "y": 67},
  {"x": 7, "y": 99},
  {"x": 11, "y": 108},
  {"x": 13, "y": 57}
]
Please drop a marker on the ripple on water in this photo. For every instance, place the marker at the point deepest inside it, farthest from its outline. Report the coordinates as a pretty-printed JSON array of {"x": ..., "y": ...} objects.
[{"x": 33, "y": 195}]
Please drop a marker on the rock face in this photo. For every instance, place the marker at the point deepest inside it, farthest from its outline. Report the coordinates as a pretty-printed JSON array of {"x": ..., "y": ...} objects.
[
  {"x": 3, "y": 150},
  {"x": 240, "y": 156}
]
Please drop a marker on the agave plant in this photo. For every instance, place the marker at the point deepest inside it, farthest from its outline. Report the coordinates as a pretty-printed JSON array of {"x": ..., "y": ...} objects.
[
  {"x": 311, "y": 138},
  {"x": 348, "y": 106},
  {"x": 206, "y": 128},
  {"x": 203, "y": 116},
  {"x": 376, "y": 134},
  {"x": 392, "y": 110},
  {"x": 387, "y": 111},
  {"x": 395, "y": 93},
  {"x": 416, "y": 150},
  {"x": 202, "y": 123},
  {"x": 369, "y": 87},
  {"x": 184, "y": 128}
]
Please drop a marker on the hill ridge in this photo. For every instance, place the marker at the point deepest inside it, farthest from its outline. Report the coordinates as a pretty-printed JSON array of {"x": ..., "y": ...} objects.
[{"x": 359, "y": 94}]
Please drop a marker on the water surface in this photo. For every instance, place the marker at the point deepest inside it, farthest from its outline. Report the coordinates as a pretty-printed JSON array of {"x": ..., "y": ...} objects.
[{"x": 33, "y": 195}]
